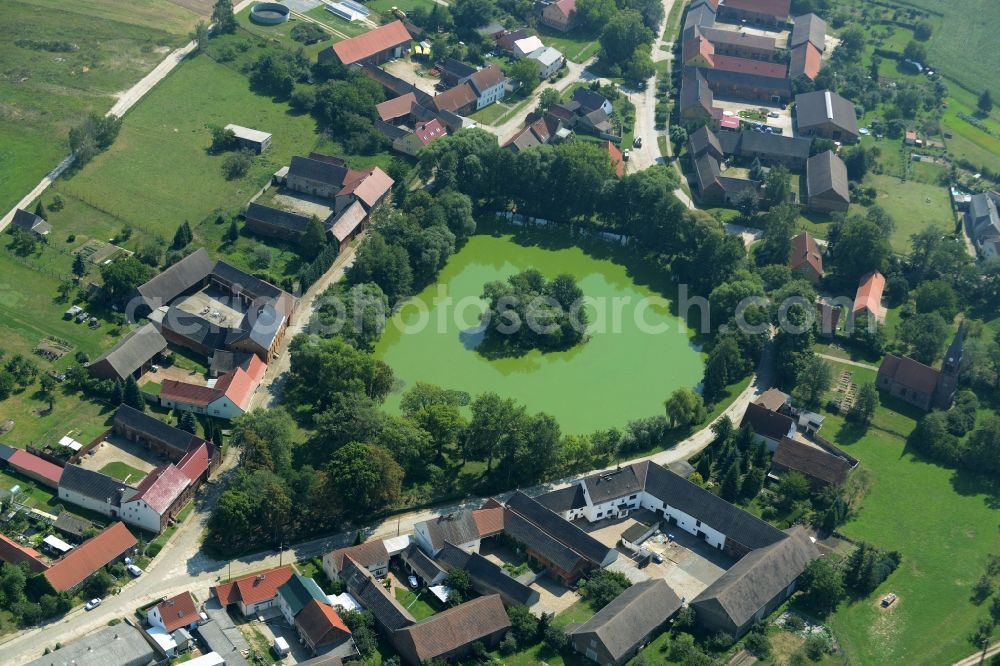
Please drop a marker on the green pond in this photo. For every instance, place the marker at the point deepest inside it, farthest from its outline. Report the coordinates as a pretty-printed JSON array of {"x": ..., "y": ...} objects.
[{"x": 626, "y": 368}]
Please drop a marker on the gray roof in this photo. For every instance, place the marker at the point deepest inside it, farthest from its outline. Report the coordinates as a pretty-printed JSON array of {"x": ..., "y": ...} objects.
[
  {"x": 984, "y": 215},
  {"x": 774, "y": 145},
  {"x": 704, "y": 139},
  {"x": 702, "y": 15},
  {"x": 779, "y": 84},
  {"x": 217, "y": 639},
  {"x": 72, "y": 525},
  {"x": 710, "y": 509},
  {"x": 456, "y": 68},
  {"x": 96, "y": 486},
  {"x": 588, "y": 99},
  {"x": 323, "y": 172},
  {"x": 695, "y": 90},
  {"x": 120, "y": 645},
  {"x": 759, "y": 576},
  {"x": 562, "y": 530},
  {"x": 6, "y": 451},
  {"x": 30, "y": 222},
  {"x": 275, "y": 217},
  {"x": 564, "y": 499},
  {"x": 826, "y": 175},
  {"x": 533, "y": 537},
  {"x": 260, "y": 327},
  {"x": 375, "y": 598},
  {"x": 174, "y": 281},
  {"x": 458, "y": 528},
  {"x": 624, "y": 623},
  {"x": 488, "y": 578},
  {"x": 247, "y": 283},
  {"x": 197, "y": 329},
  {"x": 737, "y": 38},
  {"x": 225, "y": 361},
  {"x": 706, "y": 170},
  {"x": 155, "y": 429},
  {"x": 808, "y": 28},
  {"x": 133, "y": 351},
  {"x": 823, "y": 107},
  {"x": 616, "y": 483},
  {"x": 426, "y": 568}
]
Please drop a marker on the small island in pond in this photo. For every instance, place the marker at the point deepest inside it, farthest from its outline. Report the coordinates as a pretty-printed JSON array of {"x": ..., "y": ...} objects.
[{"x": 529, "y": 312}]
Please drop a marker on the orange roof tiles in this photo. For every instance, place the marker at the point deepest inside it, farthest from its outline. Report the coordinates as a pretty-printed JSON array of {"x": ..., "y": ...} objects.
[
  {"x": 397, "y": 107},
  {"x": 14, "y": 553},
  {"x": 238, "y": 385},
  {"x": 372, "y": 42},
  {"x": 196, "y": 460},
  {"x": 616, "y": 158},
  {"x": 90, "y": 556},
  {"x": 489, "y": 520},
  {"x": 254, "y": 588},
  {"x": 805, "y": 250},
  {"x": 321, "y": 624},
  {"x": 869, "y": 296},
  {"x": 32, "y": 464},
  {"x": 177, "y": 612},
  {"x": 774, "y": 70},
  {"x": 368, "y": 186}
]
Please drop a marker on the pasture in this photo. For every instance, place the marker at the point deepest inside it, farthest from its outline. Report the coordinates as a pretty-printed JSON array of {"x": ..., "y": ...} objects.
[{"x": 912, "y": 205}]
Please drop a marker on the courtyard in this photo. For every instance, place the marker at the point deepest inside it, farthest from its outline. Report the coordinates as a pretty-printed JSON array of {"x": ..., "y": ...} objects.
[
  {"x": 552, "y": 596},
  {"x": 214, "y": 305},
  {"x": 297, "y": 202},
  {"x": 122, "y": 459}
]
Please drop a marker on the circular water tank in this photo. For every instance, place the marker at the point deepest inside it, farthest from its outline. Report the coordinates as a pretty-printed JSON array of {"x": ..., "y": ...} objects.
[{"x": 269, "y": 13}]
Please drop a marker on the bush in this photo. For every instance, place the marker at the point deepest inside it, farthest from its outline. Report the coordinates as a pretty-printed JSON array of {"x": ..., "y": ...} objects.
[
  {"x": 508, "y": 645},
  {"x": 555, "y": 637},
  {"x": 236, "y": 165},
  {"x": 758, "y": 644},
  {"x": 153, "y": 549},
  {"x": 816, "y": 646}
]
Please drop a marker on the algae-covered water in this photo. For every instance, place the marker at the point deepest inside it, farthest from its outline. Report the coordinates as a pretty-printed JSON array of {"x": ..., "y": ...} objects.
[{"x": 636, "y": 353}]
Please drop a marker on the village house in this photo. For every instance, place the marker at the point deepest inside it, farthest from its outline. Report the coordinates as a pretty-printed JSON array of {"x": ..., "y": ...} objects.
[
  {"x": 12, "y": 552},
  {"x": 618, "y": 631},
  {"x": 420, "y": 564},
  {"x": 827, "y": 190},
  {"x": 411, "y": 143},
  {"x": 69, "y": 573},
  {"x": 92, "y": 490},
  {"x": 451, "y": 634},
  {"x": 560, "y": 15},
  {"x": 821, "y": 466},
  {"x": 250, "y": 139},
  {"x": 253, "y": 593},
  {"x": 132, "y": 356},
  {"x": 324, "y": 632},
  {"x": 526, "y": 46},
  {"x": 295, "y": 593},
  {"x": 983, "y": 223},
  {"x": 274, "y": 222},
  {"x": 372, "y": 555},
  {"x": 389, "y": 615},
  {"x": 159, "y": 437},
  {"x": 771, "y": 13},
  {"x": 768, "y": 425},
  {"x": 458, "y": 528},
  {"x": 868, "y": 299},
  {"x": 806, "y": 258},
  {"x": 227, "y": 397},
  {"x": 177, "y": 612},
  {"x": 591, "y": 100},
  {"x": 505, "y": 39},
  {"x": 920, "y": 385},
  {"x": 549, "y": 59},
  {"x": 164, "y": 491},
  {"x": 486, "y": 577},
  {"x": 789, "y": 151},
  {"x": 30, "y": 223},
  {"x": 826, "y": 114},
  {"x": 757, "y": 584},
  {"x": 697, "y": 102},
  {"x": 375, "y": 47}
]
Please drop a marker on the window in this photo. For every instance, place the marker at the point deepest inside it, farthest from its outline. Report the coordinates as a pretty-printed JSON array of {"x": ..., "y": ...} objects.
[
  {"x": 600, "y": 513},
  {"x": 632, "y": 497},
  {"x": 697, "y": 523}
]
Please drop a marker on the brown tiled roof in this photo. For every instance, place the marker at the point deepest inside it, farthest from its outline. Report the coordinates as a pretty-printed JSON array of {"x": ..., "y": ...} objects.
[
  {"x": 805, "y": 59},
  {"x": 805, "y": 251},
  {"x": 811, "y": 461},
  {"x": 774, "y": 70},
  {"x": 397, "y": 107},
  {"x": 161, "y": 488},
  {"x": 321, "y": 624},
  {"x": 766, "y": 423},
  {"x": 453, "y": 629},
  {"x": 487, "y": 77},
  {"x": 455, "y": 98},
  {"x": 372, "y": 42},
  {"x": 909, "y": 373},
  {"x": 489, "y": 520},
  {"x": 254, "y": 588},
  {"x": 364, "y": 554},
  {"x": 772, "y": 399},
  {"x": 14, "y": 553},
  {"x": 178, "y": 611},
  {"x": 90, "y": 556},
  {"x": 368, "y": 186},
  {"x": 777, "y": 8}
]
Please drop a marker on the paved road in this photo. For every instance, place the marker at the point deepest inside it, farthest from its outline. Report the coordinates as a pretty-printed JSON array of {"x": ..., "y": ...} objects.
[
  {"x": 577, "y": 72},
  {"x": 126, "y": 101},
  {"x": 182, "y": 566}
]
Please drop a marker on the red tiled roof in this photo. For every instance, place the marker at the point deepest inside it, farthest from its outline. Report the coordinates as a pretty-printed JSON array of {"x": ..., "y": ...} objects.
[
  {"x": 455, "y": 98},
  {"x": 869, "y": 296},
  {"x": 321, "y": 624},
  {"x": 368, "y": 186},
  {"x": 90, "y": 556},
  {"x": 616, "y": 158},
  {"x": 911, "y": 374},
  {"x": 23, "y": 461},
  {"x": 196, "y": 460},
  {"x": 774, "y": 70},
  {"x": 178, "y": 611},
  {"x": 189, "y": 394},
  {"x": 372, "y": 42},
  {"x": 567, "y": 7},
  {"x": 813, "y": 60},
  {"x": 778, "y": 8},
  {"x": 238, "y": 385},
  {"x": 730, "y": 122},
  {"x": 427, "y": 132},
  {"x": 14, "y": 553},
  {"x": 397, "y": 107},
  {"x": 487, "y": 77},
  {"x": 805, "y": 251},
  {"x": 489, "y": 520},
  {"x": 254, "y": 588},
  {"x": 161, "y": 488}
]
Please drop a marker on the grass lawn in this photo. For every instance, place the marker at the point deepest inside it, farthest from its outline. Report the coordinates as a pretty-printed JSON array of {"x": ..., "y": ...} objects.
[
  {"x": 281, "y": 33},
  {"x": 579, "y": 613},
  {"x": 576, "y": 45},
  {"x": 416, "y": 602},
  {"x": 45, "y": 92},
  {"x": 490, "y": 114},
  {"x": 342, "y": 28},
  {"x": 31, "y": 492},
  {"x": 122, "y": 472},
  {"x": 913, "y": 206}
]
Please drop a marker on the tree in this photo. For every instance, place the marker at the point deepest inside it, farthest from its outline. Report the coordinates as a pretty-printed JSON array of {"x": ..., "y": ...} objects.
[
  {"x": 99, "y": 583},
  {"x": 622, "y": 35},
  {"x": 861, "y": 247},
  {"x": 982, "y": 452},
  {"x": 982, "y": 636},
  {"x": 985, "y": 103},
  {"x": 814, "y": 380},
  {"x": 926, "y": 335},
  {"x": 779, "y": 225},
  {"x": 937, "y": 296},
  {"x": 233, "y": 233},
  {"x": 923, "y": 30},
  {"x": 459, "y": 584},
  {"x": 731, "y": 486},
  {"x": 314, "y": 238},
  {"x": 747, "y": 201},
  {"x": 684, "y": 408},
  {"x": 822, "y": 585},
  {"x": 223, "y": 19},
  {"x": 865, "y": 404},
  {"x": 321, "y": 368},
  {"x": 603, "y": 587},
  {"x": 122, "y": 277},
  {"x": 187, "y": 422},
  {"x": 236, "y": 165},
  {"x": 364, "y": 477},
  {"x": 362, "y": 626},
  {"x": 523, "y": 624},
  {"x": 752, "y": 484},
  {"x": 201, "y": 35},
  {"x": 40, "y": 210},
  {"x": 132, "y": 395},
  {"x": 595, "y": 14},
  {"x": 777, "y": 186},
  {"x": 79, "y": 265},
  {"x": 852, "y": 42},
  {"x": 182, "y": 237},
  {"x": 48, "y": 389},
  {"x": 915, "y": 51},
  {"x": 526, "y": 72},
  {"x": 792, "y": 487}
]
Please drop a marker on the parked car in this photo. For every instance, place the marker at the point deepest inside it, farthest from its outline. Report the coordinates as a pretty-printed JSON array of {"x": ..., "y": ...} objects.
[
  {"x": 773, "y": 114},
  {"x": 658, "y": 558},
  {"x": 92, "y": 604},
  {"x": 637, "y": 143},
  {"x": 412, "y": 580},
  {"x": 134, "y": 570},
  {"x": 625, "y": 156}
]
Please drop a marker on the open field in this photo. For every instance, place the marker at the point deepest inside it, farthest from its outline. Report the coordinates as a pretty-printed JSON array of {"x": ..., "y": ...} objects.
[
  {"x": 913, "y": 206},
  {"x": 44, "y": 90},
  {"x": 576, "y": 45}
]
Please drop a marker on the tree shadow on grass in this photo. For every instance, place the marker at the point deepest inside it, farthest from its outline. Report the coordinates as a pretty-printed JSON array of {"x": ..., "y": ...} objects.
[{"x": 967, "y": 483}]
